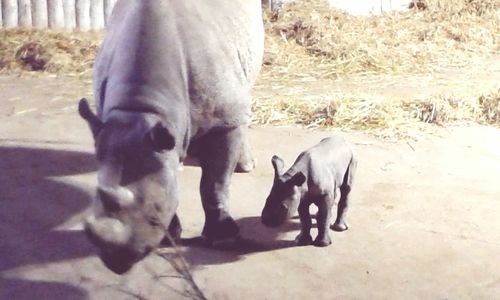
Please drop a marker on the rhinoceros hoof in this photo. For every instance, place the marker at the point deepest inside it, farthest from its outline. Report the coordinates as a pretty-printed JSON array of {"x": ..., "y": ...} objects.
[
  {"x": 322, "y": 242},
  {"x": 303, "y": 239},
  {"x": 245, "y": 167},
  {"x": 339, "y": 227},
  {"x": 221, "y": 230}
]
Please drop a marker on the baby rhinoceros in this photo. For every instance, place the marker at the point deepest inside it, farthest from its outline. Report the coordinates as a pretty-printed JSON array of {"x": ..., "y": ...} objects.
[{"x": 317, "y": 177}]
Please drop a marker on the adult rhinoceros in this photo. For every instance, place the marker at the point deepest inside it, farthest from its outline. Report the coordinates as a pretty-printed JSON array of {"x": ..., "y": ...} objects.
[{"x": 171, "y": 77}]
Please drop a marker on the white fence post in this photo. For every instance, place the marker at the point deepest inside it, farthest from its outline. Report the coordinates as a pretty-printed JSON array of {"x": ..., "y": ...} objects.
[
  {"x": 1, "y": 12},
  {"x": 96, "y": 14},
  {"x": 24, "y": 7},
  {"x": 56, "y": 13},
  {"x": 39, "y": 13},
  {"x": 83, "y": 14},
  {"x": 108, "y": 9},
  {"x": 9, "y": 11},
  {"x": 69, "y": 7}
]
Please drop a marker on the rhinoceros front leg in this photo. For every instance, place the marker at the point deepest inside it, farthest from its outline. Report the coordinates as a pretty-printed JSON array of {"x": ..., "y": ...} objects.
[
  {"x": 246, "y": 161},
  {"x": 304, "y": 238},
  {"x": 219, "y": 154}
]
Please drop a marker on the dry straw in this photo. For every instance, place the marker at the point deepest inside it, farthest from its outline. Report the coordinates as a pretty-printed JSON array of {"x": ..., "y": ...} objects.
[
  {"x": 311, "y": 42},
  {"x": 382, "y": 116},
  {"x": 311, "y": 38},
  {"x": 48, "y": 51}
]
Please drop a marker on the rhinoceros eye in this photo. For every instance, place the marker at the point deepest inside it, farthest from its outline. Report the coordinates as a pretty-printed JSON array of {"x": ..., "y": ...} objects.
[{"x": 154, "y": 221}]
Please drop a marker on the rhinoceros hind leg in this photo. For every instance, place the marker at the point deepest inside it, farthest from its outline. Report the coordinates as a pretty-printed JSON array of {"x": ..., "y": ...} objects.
[
  {"x": 245, "y": 164},
  {"x": 345, "y": 190}
]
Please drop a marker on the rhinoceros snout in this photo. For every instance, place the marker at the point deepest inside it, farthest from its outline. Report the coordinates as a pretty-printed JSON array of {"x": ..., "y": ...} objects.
[
  {"x": 274, "y": 216},
  {"x": 111, "y": 238}
]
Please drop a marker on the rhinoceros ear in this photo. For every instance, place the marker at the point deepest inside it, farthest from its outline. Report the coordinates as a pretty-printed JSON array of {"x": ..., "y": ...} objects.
[
  {"x": 94, "y": 123},
  {"x": 278, "y": 165},
  {"x": 161, "y": 138}
]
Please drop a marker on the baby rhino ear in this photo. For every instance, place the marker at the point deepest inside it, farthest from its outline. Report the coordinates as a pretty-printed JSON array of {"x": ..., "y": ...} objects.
[
  {"x": 278, "y": 165},
  {"x": 298, "y": 179}
]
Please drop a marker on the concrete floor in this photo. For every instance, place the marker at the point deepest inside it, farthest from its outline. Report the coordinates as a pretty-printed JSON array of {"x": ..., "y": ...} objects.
[{"x": 424, "y": 220}]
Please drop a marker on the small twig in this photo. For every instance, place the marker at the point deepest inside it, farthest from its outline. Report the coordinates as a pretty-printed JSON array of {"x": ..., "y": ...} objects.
[
  {"x": 169, "y": 276},
  {"x": 408, "y": 143},
  {"x": 182, "y": 267},
  {"x": 130, "y": 293}
]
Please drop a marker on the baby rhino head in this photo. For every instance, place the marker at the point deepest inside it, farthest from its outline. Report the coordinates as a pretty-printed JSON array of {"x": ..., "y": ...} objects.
[{"x": 284, "y": 197}]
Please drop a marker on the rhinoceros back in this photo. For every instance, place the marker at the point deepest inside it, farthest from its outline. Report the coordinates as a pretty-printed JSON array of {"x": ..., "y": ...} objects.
[{"x": 190, "y": 58}]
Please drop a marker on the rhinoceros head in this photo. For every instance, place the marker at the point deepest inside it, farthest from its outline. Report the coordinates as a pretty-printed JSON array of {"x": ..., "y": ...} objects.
[
  {"x": 137, "y": 188},
  {"x": 284, "y": 197}
]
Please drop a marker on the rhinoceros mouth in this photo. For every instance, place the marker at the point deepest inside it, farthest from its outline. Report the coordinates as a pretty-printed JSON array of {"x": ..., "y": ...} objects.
[
  {"x": 121, "y": 260},
  {"x": 116, "y": 266}
]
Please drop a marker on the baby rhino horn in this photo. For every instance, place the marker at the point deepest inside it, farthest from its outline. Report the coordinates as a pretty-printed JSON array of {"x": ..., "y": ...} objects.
[
  {"x": 115, "y": 198},
  {"x": 107, "y": 231}
]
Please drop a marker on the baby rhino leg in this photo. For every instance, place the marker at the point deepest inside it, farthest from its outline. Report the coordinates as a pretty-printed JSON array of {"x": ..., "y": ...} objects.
[
  {"x": 323, "y": 220},
  {"x": 304, "y": 238},
  {"x": 345, "y": 189}
]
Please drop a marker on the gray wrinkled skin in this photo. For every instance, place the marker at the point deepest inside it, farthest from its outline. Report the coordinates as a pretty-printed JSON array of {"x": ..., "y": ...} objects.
[
  {"x": 171, "y": 78},
  {"x": 317, "y": 177}
]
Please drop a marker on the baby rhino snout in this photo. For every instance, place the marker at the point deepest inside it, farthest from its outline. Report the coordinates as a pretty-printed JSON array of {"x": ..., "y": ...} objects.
[{"x": 274, "y": 218}]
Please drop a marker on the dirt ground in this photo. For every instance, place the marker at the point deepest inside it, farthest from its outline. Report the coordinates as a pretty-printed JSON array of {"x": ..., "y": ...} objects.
[{"x": 424, "y": 218}]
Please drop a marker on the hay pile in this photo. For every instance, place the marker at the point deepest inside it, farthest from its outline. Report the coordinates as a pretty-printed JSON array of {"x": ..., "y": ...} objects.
[
  {"x": 48, "y": 51},
  {"x": 311, "y": 42},
  {"x": 310, "y": 39},
  {"x": 380, "y": 116}
]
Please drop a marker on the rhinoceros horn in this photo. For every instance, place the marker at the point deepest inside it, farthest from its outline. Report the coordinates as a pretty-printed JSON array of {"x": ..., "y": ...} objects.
[
  {"x": 107, "y": 231},
  {"x": 115, "y": 198}
]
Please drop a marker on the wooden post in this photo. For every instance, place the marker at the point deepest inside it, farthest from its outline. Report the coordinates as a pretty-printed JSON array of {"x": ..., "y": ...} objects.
[
  {"x": 56, "y": 13},
  {"x": 96, "y": 14},
  {"x": 69, "y": 14},
  {"x": 83, "y": 14},
  {"x": 39, "y": 13},
  {"x": 9, "y": 11},
  {"x": 1, "y": 18},
  {"x": 108, "y": 9},
  {"x": 25, "y": 19}
]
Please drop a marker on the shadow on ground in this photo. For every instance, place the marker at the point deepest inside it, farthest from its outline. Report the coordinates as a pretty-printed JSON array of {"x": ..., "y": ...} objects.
[
  {"x": 255, "y": 238},
  {"x": 33, "y": 204},
  {"x": 42, "y": 290}
]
